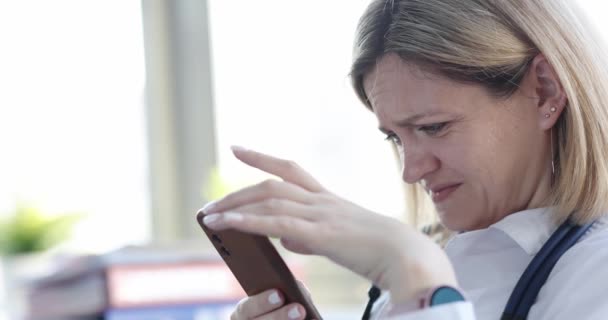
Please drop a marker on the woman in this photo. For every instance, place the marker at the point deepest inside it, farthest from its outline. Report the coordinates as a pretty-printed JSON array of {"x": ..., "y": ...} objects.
[{"x": 498, "y": 111}]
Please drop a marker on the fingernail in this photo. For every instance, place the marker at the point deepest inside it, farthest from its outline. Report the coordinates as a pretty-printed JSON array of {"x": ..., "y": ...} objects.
[
  {"x": 208, "y": 207},
  {"x": 274, "y": 298},
  {"x": 233, "y": 216},
  {"x": 210, "y": 219},
  {"x": 294, "y": 313},
  {"x": 238, "y": 148}
]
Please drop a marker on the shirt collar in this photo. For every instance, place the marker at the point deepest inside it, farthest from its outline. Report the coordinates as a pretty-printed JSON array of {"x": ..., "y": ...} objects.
[{"x": 530, "y": 229}]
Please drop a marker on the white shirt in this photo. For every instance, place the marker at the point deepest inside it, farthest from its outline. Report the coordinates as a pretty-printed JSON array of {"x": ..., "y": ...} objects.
[{"x": 489, "y": 262}]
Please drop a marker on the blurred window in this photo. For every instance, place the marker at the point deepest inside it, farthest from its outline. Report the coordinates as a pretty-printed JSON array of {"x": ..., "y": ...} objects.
[
  {"x": 72, "y": 134},
  {"x": 282, "y": 87}
]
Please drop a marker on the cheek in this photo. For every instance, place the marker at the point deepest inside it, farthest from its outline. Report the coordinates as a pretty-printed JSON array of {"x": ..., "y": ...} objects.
[
  {"x": 463, "y": 157},
  {"x": 482, "y": 160},
  {"x": 491, "y": 170},
  {"x": 473, "y": 164}
]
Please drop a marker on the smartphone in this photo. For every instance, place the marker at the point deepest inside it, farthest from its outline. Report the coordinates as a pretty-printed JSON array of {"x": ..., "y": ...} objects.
[{"x": 257, "y": 266}]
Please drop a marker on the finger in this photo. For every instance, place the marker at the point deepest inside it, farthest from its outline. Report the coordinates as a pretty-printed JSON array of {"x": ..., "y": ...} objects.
[
  {"x": 293, "y": 311},
  {"x": 280, "y": 207},
  {"x": 295, "y": 246},
  {"x": 259, "y": 192},
  {"x": 258, "y": 305},
  {"x": 274, "y": 226},
  {"x": 285, "y": 169}
]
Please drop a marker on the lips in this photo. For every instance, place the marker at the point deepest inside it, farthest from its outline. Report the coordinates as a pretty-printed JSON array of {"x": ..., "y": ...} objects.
[{"x": 440, "y": 193}]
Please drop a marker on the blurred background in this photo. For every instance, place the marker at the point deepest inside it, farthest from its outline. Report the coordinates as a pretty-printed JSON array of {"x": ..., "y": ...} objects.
[{"x": 116, "y": 121}]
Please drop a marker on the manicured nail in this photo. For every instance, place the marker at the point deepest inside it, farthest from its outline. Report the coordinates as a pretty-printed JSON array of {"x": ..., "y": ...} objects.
[
  {"x": 209, "y": 207},
  {"x": 238, "y": 148},
  {"x": 274, "y": 298},
  {"x": 294, "y": 313},
  {"x": 210, "y": 219},
  {"x": 233, "y": 216}
]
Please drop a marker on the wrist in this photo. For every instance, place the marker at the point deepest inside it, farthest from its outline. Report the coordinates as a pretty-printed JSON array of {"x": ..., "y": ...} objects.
[
  {"x": 411, "y": 272},
  {"x": 417, "y": 281},
  {"x": 411, "y": 278},
  {"x": 435, "y": 296}
]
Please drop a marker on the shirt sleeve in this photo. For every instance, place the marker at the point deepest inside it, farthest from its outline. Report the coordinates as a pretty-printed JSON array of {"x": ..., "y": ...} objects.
[
  {"x": 450, "y": 311},
  {"x": 384, "y": 310}
]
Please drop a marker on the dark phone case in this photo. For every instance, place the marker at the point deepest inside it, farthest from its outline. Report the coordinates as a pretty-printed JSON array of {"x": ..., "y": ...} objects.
[{"x": 257, "y": 265}]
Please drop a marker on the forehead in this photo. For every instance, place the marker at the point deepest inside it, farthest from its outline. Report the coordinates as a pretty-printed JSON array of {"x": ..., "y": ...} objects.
[
  {"x": 393, "y": 81},
  {"x": 391, "y": 67},
  {"x": 397, "y": 87}
]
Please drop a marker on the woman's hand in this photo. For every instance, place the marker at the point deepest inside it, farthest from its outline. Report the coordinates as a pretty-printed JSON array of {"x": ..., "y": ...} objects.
[
  {"x": 269, "y": 305},
  {"x": 310, "y": 220}
]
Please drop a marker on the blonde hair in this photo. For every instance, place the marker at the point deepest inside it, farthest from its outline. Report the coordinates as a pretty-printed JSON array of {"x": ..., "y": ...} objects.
[{"x": 492, "y": 42}]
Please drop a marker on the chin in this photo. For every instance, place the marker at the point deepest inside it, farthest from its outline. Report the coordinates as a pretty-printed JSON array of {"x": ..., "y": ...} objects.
[{"x": 455, "y": 221}]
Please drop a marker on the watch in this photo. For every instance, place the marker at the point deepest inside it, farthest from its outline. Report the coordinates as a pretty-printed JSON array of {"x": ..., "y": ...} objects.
[
  {"x": 441, "y": 295},
  {"x": 428, "y": 298}
]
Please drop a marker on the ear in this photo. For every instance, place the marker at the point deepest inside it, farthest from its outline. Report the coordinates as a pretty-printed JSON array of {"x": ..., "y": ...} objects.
[{"x": 548, "y": 90}]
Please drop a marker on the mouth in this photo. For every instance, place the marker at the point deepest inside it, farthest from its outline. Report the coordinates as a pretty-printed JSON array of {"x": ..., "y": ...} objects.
[{"x": 441, "y": 193}]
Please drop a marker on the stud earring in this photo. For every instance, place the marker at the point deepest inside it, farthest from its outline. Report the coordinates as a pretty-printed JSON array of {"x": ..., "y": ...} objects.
[
  {"x": 547, "y": 115},
  {"x": 553, "y": 109}
]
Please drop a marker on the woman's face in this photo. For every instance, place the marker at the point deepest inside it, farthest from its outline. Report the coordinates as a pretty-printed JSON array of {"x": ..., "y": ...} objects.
[{"x": 478, "y": 156}]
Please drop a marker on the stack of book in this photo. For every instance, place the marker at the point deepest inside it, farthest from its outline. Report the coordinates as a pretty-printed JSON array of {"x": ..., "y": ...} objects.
[{"x": 136, "y": 283}]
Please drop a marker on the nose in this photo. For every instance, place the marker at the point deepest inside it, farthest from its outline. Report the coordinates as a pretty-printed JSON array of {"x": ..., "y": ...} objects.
[{"x": 416, "y": 163}]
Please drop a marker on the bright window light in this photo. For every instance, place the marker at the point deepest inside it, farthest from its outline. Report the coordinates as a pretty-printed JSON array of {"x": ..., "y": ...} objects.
[{"x": 72, "y": 132}]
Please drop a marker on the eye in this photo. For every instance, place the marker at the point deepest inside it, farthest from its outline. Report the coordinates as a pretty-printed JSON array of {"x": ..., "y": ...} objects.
[
  {"x": 432, "y": 129},
  {"x": 393, "y": 138}
]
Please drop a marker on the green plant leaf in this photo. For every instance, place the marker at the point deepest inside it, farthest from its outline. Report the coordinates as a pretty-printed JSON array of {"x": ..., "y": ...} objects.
[{"x": 27, "y": 229}]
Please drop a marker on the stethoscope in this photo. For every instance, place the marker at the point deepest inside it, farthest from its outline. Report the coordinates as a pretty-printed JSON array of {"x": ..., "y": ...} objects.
[
  {"x": 531, "y": 281},
  {"x": 524, "y": 295}
]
